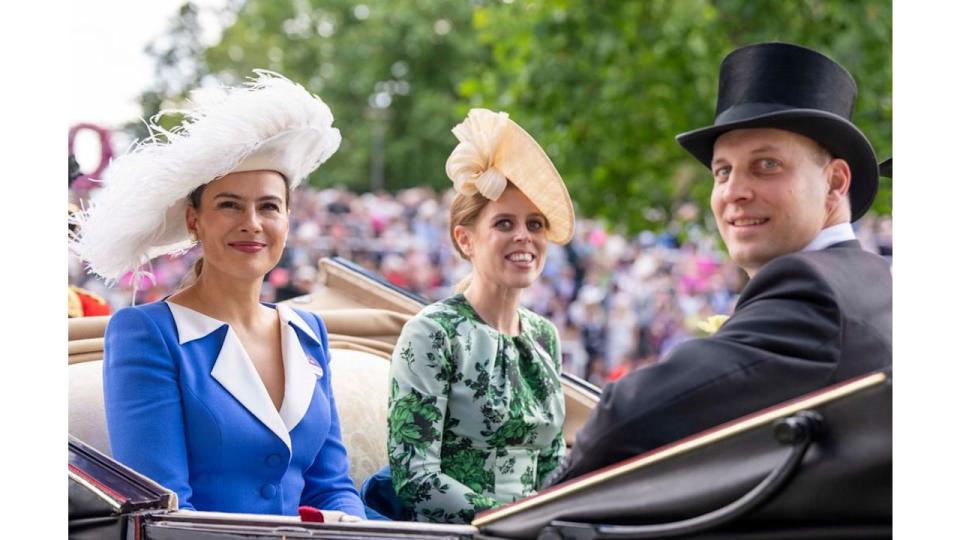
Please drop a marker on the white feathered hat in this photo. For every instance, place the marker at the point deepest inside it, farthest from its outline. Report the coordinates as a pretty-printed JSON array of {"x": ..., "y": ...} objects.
[
  {"x": 270, "y": 123},
  {"x": 494, "y": 149}
]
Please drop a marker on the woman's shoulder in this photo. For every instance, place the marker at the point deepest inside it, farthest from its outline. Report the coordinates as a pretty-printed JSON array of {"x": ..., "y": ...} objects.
[
  {"x": 538, "y": 326},
  {"x": 445, "y": 315},
  {"x": 536, "y": 320},
  {"x": 453, "y": 306},
  {"x": 157, "y": 312},
  {"x": 138, "y": 327}
]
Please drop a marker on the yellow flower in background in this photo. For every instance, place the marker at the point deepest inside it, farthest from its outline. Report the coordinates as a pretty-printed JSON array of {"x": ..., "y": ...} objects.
[{"x": 712, "y": 323}]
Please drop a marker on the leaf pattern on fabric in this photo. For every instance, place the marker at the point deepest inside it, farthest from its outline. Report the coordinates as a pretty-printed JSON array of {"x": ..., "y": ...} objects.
[
  {"x": 412, "y": 419},
  {"x": 481, "y": 502},
  {"x": 470, "y": 465},
  {"x": 480, "y": 385},
  {"x": 538, "y": 380},
  {"x": 475, "y": 415},
  {"x": 527, "y": 477},
  {"x": 550, "y": 459},
  {"x": 407, "y": 354}
]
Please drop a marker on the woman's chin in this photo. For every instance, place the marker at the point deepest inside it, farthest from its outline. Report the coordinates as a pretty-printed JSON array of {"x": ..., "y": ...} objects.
[{"x": 522, "y": 281}]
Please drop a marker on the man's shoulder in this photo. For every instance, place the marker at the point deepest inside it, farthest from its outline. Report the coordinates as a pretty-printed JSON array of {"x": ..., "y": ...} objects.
[
  {"x": 842, "y": 270},
  {"x": 823, "y": 260},
  {"x": 843, "y": 251}
]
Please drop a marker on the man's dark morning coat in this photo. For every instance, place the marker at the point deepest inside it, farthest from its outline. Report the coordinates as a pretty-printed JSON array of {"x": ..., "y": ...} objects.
[{"x": 804, "y": 321}]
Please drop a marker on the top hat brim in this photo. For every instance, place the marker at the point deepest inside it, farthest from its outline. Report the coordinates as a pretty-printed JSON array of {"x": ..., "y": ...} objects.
[
  {"x": 835, "y": 133},
  {"x": 886, "y": 168}
]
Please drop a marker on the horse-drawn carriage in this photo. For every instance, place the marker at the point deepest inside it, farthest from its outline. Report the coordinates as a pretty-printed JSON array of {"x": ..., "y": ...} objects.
[{"x": 816, "y": 466}]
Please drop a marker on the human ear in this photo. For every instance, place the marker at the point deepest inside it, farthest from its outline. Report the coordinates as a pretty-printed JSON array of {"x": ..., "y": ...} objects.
[
  {"x": 191, "y": 221},
  {"x": 464, "y": 241},
  {"x": 838, "y": 181}
]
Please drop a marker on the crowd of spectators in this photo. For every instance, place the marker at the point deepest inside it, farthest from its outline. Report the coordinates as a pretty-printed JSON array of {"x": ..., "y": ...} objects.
[{"x": 619, "y": 301}]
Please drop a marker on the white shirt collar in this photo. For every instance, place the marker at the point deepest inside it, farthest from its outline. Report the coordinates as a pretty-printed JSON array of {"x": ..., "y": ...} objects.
[
  {"x": 192, "y": 324},
  {"x": 834, "y": 234}
]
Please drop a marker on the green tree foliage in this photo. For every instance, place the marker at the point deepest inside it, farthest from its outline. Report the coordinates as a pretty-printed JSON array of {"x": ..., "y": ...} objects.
[
  {"x": 389, "y": 69},
  {"x": 178, "y": 66},
  {"x": 606, "y": 85},
  {"x": 603, "y": 85}
]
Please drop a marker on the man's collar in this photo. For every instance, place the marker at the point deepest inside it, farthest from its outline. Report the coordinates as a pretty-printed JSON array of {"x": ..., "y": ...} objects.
[{"x": 834, "y": 234}]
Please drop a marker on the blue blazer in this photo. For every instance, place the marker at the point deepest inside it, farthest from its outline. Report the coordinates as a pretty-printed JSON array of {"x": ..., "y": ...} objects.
[{"x": 186, "y": 407}]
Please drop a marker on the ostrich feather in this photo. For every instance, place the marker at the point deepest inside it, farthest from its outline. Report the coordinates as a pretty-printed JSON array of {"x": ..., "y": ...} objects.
[{"x": 138, "y": 214}]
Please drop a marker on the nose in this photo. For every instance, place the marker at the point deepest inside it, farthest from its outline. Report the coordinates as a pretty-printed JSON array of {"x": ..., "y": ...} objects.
[
  {"x": 737, "y": 188},
  {"x": 251, "y": 221},
  {"x": 522, "y": 234}
]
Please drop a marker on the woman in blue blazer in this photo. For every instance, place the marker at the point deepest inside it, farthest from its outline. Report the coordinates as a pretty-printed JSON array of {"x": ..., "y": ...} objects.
[{"x": 220, "y": 398}]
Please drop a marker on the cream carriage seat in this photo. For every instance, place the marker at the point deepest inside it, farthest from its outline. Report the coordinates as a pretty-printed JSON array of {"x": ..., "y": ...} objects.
[
  {"x": 85, "y": 419},
  {"x": 360, "y": 373},
  {"x": 361, "y": 388}
]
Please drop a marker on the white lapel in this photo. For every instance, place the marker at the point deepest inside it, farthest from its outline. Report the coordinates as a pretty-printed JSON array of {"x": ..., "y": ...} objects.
[
  {"x": 233, "y": 368},
  {"x": 192, "y": 325},
  {"x": 300, "y": 371}
]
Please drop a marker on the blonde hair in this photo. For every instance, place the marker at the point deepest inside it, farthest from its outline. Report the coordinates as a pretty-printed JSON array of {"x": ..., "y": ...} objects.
[{"x": 464, "y": 211}]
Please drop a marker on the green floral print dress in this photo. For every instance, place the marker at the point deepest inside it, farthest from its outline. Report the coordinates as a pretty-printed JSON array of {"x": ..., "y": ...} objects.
[{"x": 475, "y": 415}]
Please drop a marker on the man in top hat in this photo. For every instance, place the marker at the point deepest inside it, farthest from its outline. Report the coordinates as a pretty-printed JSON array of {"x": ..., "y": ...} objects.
[{"x": 790, "y": 174}]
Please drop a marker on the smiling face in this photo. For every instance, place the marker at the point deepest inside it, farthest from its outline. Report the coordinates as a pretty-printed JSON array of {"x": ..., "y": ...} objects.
[
  {"x": 773, "y": 191},
  {"x": 242, "y": 223},
  {"x": 507, "y": 242}
]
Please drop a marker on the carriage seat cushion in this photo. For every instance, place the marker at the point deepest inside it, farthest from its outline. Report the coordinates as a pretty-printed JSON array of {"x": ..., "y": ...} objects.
[
  {"x": 85, "y": 418},
  {"x": 360, "y": 386}
]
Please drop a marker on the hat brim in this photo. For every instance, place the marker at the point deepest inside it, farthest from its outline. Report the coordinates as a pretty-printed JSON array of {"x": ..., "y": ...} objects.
[
  {"x": 271, "y": 123},
  {"x": 886, "y": 168},
  {"x": 292, "y": 153},
  {"x": 837, "y": 134},
  {"x": 521, "y": 159}
]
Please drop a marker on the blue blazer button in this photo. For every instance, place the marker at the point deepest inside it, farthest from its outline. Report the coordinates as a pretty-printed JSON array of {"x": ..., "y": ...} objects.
[
  {"x": 274, "y": 460},
  {"x": 268, "y": 491}
]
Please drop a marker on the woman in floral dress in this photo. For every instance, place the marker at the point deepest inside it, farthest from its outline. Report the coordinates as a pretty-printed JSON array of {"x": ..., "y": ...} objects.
[{"x": 476, "y": 404}]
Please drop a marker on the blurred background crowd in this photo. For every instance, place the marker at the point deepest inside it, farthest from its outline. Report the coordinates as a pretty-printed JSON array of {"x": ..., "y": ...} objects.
[
  {"x": 604, "y": 86},
  {"x": 619, "y": 300}
]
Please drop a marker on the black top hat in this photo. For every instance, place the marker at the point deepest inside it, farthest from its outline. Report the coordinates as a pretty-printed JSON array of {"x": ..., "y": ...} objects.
[
  {"x": 784, "y": 86},
  {"x": 886, "y": 167}
]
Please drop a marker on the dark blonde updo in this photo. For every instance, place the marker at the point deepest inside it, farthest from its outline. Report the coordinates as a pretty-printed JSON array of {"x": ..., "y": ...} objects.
[{"x": 464, "y": 210}]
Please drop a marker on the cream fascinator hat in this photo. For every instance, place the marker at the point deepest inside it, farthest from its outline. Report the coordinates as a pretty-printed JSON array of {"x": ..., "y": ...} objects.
[
  {"x": 270, "y": 123},
  {"x": 494, "y": 149}
]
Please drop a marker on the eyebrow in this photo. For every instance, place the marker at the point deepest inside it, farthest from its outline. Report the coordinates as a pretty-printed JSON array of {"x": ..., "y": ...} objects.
[
  {"x": 505, "y": 215},
  {"x": 765, "y": 148},
  {"x": 229, "y": 195},
  {"x": 761, "y": 150}
]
